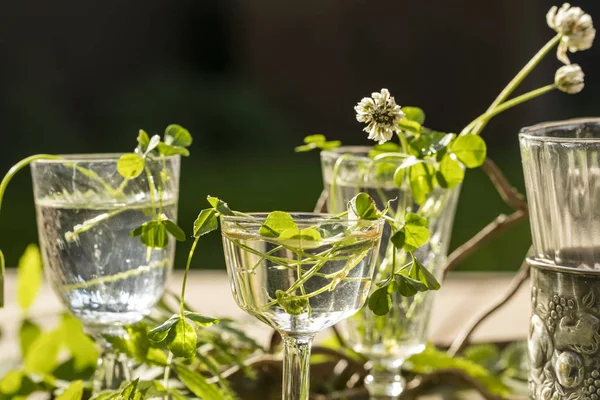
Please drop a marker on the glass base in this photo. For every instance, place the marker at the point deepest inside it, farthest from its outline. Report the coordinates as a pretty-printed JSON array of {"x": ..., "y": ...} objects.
[
  {"x": 384, "y": 381},
  {"x": 114, "y": 368}
]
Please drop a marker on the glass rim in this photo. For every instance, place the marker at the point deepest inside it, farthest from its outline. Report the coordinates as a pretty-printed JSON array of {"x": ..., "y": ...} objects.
[
  {"x": 537, "y": 131},
  {"x": 311, "y": 217},
  {"x": 93, "y": 158},
  {"x": 353, "y": 150}
]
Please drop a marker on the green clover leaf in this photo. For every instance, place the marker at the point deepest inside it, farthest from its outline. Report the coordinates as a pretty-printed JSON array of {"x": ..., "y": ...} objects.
[
  {"x": 380, "y": 301},
  {"x": 275, "y": 223},
  {"x": 206, "y": 222},
  {"x": 130, "y": 165},
  {"x": 450, "y": 172},
  {"x": 470, "y": 150}
]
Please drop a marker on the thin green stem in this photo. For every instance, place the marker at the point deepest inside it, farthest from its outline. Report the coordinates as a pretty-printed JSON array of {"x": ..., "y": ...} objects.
[
  {"x": 118, "y": 277},
  {"x": 334, "y": 176},
  {"x": 403, "y": 142},
  {"x": 516, "y": 81},
  {"x": 185, "y": 275},
  {"x": 90, "y": 223},
  {"x": 19, "y": 166},
  {"x": 152, "y": 188},
  {"x": 509, "y": 104}
]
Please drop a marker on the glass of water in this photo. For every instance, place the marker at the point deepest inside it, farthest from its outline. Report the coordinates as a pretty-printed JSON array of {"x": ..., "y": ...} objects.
[
  {"x": 306, "y": 279},
  {"x": 86, "y": 212}
]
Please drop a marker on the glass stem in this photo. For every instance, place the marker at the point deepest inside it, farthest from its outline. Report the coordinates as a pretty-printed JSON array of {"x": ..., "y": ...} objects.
[
  {"x": 296, "y": 367},
  {"x": 385, "y": 380},
  {"x": 113, "y": 368}
]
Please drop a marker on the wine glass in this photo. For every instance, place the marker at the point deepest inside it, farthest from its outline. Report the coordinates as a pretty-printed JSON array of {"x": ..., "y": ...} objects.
[
  {"x": 107, "y": 278},
  {"x": 301, "y": 280}
]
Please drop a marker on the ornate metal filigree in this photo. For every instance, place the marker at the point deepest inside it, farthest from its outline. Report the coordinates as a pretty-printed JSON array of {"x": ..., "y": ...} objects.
[{"x": 564, "y": 338}]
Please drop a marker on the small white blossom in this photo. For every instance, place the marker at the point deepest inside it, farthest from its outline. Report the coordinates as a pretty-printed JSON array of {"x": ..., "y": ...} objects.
[
  {"x": 576, "y": 27},
  {"x": 382, "y": 115},
  {"x": 569, "y": 79}
]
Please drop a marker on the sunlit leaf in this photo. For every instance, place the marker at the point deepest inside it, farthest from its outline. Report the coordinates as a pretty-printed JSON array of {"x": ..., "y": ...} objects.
[
  {"x": 29, "y": 276},
  {"x": 363, "y": 206},
  {"x": 275, "y": 223},
  {"x": 28, "y": 333},
  {"x": 168, "y": 150},
  {"x": 219, "y": 205},
  {"x": 414, "y": 114},
  {"x": 181, "y": 339},
  {"x": 11, "y": 382},
  {"x": 82, "y": 348},
  {"x": 143, "y": 141},
  {"x": 200, "y": 319},
  {"x": 470, "y": 150},
  {"x": 42, "y": 356},
  {"x": 73, "y": 392},
  {"x": 206, "y": 222},
  {"x": 450, "y": 172},
  {"x": 130, "y": 165},
  {"x": 154, "y": 234},
  {"x": 421, "y": 178},
  {"x": 177, "y": 135}
]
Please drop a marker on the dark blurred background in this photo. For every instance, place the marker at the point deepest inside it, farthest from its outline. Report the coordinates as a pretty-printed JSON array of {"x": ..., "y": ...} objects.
[{"x": 251, "y": 78}]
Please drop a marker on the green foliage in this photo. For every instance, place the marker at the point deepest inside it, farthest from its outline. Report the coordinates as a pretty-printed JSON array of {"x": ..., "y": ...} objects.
[
  {"x": 206, "y": 222},
  {"x": 43, "y": 353},
  {"x": 380, "y": 301},
  {"x": 28, "y": 333},
  {"x": 154, "y": 233},
  {"x": 130, "y": 165},
  {"x": 317, "y": 142},
  {"x": 275, "y": 223},
  {"x": 470, "y": 150},
  {"x": 198, "y": 384},
  {"x": 181, "y": 339},
  {"x": 422, "y": 181},
  {"x": 415, "y": 114},
  {"x": 362, "y": 206},
  {"x": 432, "y": 360},
  {"x": 29, "y": 276},
  {"x": 450, "y": 172},
  {"x": 413, "y": 233},
  {"x": 73, "y": 392}
]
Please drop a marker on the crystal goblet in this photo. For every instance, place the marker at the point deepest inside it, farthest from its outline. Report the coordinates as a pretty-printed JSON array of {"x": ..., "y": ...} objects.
[
  {"x": 107, "y": 279},
  {"x": 301, "y": 282}
]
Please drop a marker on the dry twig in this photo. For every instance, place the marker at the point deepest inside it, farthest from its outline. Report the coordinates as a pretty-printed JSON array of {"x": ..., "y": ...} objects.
[{"x": 463, "y": 337}]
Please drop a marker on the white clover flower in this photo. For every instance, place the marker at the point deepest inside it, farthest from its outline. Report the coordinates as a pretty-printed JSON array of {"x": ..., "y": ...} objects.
[
  {"x": 382, "y": 115},
  {"x": 576, "y": 27},
  {"x": 569, "y": 79}
]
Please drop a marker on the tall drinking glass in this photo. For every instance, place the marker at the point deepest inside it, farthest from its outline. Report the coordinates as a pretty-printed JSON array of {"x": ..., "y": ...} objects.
[
  {"x": 302, "y": 282},
  {"x": 561, "y": 163},
  {"x": 106, "y": 278},
  {"x": 387, "y": 341}
]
